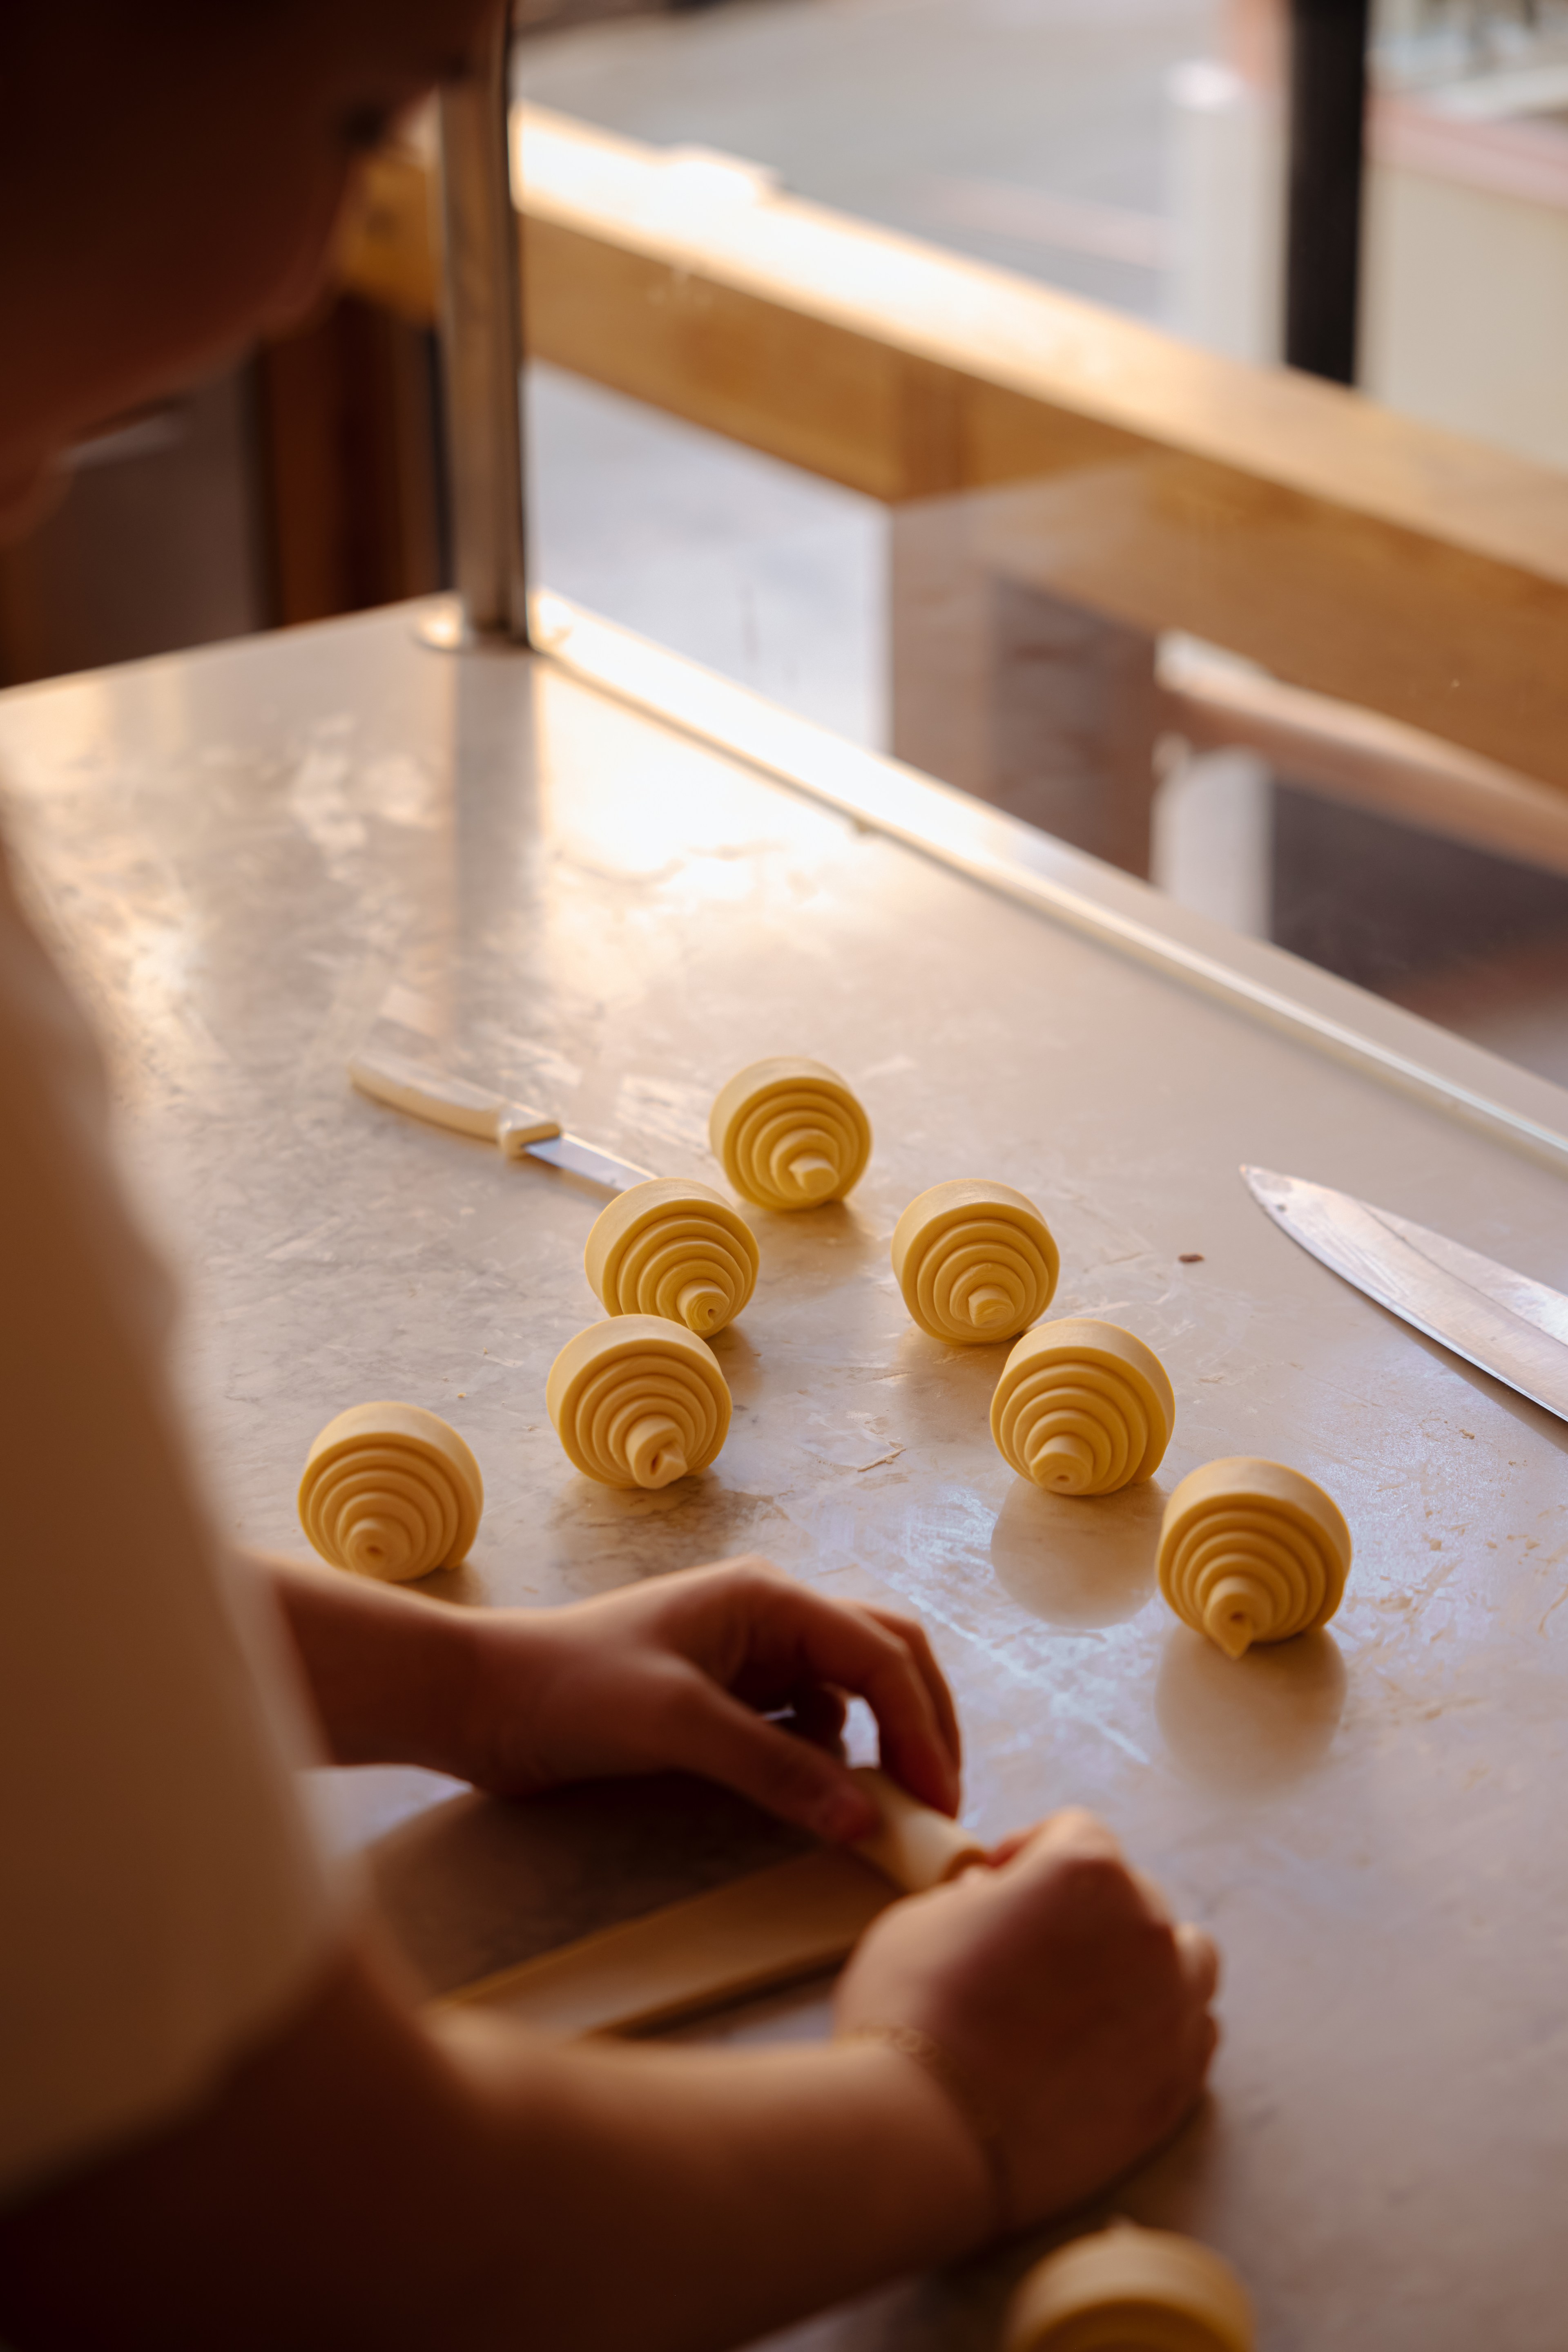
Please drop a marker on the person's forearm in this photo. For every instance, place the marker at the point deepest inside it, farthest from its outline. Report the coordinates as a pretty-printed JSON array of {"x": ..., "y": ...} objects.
[
  {"x": 687, "y": 2199},
  {"x": 371, "y": 2183},
  {"x": 391, "y": 1673}
]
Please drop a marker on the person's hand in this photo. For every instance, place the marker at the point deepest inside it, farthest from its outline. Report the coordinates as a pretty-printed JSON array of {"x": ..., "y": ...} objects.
[
  {"x": 1069, "y": 2018},
  {"x": 718, "y": 1670}
]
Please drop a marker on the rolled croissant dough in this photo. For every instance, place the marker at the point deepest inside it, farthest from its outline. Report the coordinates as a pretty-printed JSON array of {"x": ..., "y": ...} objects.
[
  {"x": 789, "y": 1134},
  {"x": 638, "y": 1401},
  {"x": 1083, "y": 1407},
  {"x": 1126, "y": 2289},
  {"x": 773, "y": 1929},
  {"x": 1252, "y": 1550},
  {"x": 391, "y": 1490},
  {"x": 974, "y": 1261},
  {"x": 676, "y": 1249}
]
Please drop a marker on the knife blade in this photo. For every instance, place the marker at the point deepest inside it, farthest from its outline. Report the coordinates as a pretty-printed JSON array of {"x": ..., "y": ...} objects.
[
  {"x": 435, "y": 1094},
  {"x": 580, "y": 1158},
  {"x": 1502, "y": 1322}
]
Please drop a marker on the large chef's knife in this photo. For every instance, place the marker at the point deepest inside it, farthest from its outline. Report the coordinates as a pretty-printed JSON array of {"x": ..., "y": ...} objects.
[
  {"x": 392, "y": 1077},
  {"x": 1515, "y": 1328}
]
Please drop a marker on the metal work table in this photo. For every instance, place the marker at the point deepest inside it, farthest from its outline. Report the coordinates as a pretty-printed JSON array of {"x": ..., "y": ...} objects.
[{"x": 246, "y": 850}]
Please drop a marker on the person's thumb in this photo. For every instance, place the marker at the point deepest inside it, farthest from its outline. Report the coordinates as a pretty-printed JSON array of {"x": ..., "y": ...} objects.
[{"x": 714, "y": 1735}]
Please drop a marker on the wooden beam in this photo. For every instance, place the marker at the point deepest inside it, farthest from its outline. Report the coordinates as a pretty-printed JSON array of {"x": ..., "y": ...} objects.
[
  {"x": 1349, "y": 551},
  {"x": 1363, "y": 759},
  {"x": 387, "y": 249}
]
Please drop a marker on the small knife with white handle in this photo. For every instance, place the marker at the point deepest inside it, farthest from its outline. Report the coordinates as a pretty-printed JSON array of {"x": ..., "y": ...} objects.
[
  {"x": 1503, "y": 1322},
  {"x": 396, "y": 1079}
]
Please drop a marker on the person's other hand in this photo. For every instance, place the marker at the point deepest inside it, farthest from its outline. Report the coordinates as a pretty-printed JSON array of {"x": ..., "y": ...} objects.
[
  {"x": 735, "y": 1672},
  {"x": 1073, "y": 2016}
]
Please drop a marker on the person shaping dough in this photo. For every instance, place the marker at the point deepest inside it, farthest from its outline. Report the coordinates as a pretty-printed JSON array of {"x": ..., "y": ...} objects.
[{"x": 222, "y": 2119}]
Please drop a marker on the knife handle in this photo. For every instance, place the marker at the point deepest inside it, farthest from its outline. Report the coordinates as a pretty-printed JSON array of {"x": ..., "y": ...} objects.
[{"x": 450, "y": 1102}]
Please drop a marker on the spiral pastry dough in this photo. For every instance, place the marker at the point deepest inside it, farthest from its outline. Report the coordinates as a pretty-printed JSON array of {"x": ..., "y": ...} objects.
[
  {"x": 1250, "y": 1551},
  {"x": 1131, "y": 2290},
  {"x": 974, "y": 1261},
  {"x": 672, "y": 1249},
  {"x": 789, "y": 1134},
  {"x": 391, "y": 1490},
  {"x": 1082, "y": 1408},
  {"x": 638, "y": 1401}
]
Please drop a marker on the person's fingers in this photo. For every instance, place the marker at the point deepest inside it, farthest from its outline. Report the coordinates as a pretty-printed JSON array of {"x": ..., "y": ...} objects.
[
  {"x": 698, "y": 1727},
  {"x": 1072, "y": 1832},
  {"x": 1189, "y": 2071},
  {"x": 1071, "y": 1868},
  {"x": 1079, "y": 1837},
  {"x": 1154, "y": 1896},
  {"x": 798, "y": 1636},
  {"x": 1064, "y": 1824},
  {"x": 769, "y": 1635},
  {"x": 1008, "y": 1849},
  {"x": 1199, "y": 1956},
  {"x": 814, "y": 1713},
  {"x": 910, "y": 1631},
  {"x": 1075, "y": 1846}
]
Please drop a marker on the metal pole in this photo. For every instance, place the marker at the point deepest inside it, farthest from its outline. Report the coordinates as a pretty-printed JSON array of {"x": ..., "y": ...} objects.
[
  {"x": 1323, "y": 241},
  {"x": 482, "y": 357}
]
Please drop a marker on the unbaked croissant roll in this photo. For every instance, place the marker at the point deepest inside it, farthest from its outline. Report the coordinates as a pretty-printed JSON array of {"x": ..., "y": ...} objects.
[
  {"x": 915, "y": 1846},
  {"x": 1083, "y": 1407},
  {"x": 1131, "y": 2290},
  {"x": 638, "y": 1401},
  {"x": 1252, "y": 1551},
  {"x": 674, "y": 1249},
  {"x": 391, "y": 1490},
  {"x": 789, "y": 1134},
  {"x": 974, "y": 1261}
]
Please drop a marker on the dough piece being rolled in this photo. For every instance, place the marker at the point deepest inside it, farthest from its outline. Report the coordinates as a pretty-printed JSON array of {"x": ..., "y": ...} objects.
[
  {"x": 391, "y": 1490},
  {"x": 638, "y": 1401},
  {"x": 672, "y": 1249},
  {"x": 1083, "y": 1407},
  {"x": 1252, "y": 1552},
  {"x": 916, "y": 1847},
  {"x": 974, "y": 1261},
  {"x": 750, "y": 1936},
  {"x": 789, "y": 1134},
  {"x": 1131, "y": 2290}
]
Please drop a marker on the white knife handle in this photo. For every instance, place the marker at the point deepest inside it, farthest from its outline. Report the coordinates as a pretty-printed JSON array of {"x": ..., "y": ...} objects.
[{"x": 450, "y": 1102}]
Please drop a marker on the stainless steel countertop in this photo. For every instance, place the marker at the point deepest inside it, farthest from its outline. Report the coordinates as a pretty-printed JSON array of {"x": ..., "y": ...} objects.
[{"x": 245, "y": 849}]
